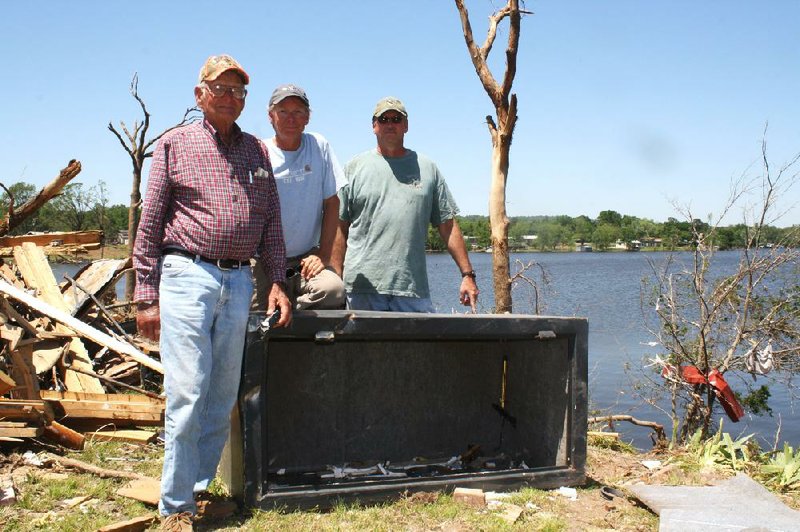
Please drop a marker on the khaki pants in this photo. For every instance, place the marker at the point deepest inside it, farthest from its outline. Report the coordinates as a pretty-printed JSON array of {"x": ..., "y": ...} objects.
[{"x": 323, "y": 291}]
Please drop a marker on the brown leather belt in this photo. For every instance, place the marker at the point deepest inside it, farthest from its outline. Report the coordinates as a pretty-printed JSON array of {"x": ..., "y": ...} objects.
[{"x": 222, "y": 264}]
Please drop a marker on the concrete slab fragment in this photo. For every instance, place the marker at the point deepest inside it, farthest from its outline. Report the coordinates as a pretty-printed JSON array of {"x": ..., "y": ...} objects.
[{"x": 739, "y": 503}]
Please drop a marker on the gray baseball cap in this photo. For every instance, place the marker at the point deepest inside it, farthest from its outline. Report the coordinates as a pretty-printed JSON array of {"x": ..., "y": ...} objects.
[
  {"x": 389, "y": 103},
  {"x": 285, "y": 91}
]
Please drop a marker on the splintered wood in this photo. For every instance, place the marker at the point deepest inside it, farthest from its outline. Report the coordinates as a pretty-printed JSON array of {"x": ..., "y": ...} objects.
[{"x": 64, "y": 360}]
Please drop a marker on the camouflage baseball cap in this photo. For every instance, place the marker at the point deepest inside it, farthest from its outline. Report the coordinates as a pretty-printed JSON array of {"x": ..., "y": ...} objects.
[
  {"x": 217, "y": 64},
  {"x": 389, "y": 104}
]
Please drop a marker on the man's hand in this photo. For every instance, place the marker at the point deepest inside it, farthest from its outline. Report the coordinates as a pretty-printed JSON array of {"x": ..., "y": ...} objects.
[
  {"x": 469, "y": 292},
  {"x": 277, "y": 299},
  {"x": 311, "y": 266},
  {"x": 148, "y": 320}
]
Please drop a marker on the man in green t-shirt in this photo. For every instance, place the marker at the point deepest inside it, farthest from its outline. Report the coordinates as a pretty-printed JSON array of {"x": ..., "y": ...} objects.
[{"x": 392, "y": 194}]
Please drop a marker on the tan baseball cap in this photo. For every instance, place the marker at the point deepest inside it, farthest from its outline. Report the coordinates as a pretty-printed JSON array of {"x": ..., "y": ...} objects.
[
  {"x": 389, "y": 103},
  {"x": 217, "y": 64}
]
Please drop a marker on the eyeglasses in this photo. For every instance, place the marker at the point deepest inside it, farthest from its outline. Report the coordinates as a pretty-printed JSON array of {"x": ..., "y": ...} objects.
[
  {"x": 297, "y": 114},
  {"x": 393, "y": 119},
  {"x": 221, "y": 90}
]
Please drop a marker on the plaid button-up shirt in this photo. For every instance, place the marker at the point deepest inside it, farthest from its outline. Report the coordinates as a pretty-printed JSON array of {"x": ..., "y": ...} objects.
[{"x": 210, "y": 199}]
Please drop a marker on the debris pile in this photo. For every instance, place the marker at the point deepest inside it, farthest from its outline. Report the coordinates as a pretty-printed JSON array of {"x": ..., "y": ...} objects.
[{"x": 67, "y": 366}]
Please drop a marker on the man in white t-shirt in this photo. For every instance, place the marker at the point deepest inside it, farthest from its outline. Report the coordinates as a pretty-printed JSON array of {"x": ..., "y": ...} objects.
[{"x": 308, "y": 176}]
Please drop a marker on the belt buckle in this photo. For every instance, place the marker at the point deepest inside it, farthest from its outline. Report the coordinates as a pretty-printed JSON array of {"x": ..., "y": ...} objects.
[{"x": 218, "y": 262}]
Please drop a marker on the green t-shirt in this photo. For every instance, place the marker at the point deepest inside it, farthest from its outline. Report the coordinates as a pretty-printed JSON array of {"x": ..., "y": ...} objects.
[{"x": 389, "y": 202}]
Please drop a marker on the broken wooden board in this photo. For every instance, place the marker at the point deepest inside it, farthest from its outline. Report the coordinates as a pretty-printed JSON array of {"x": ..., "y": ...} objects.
[
  {"x": 88, "y": 239},
  {"x": 121, "y": 370},
  {"x": 142, "y": 437},
  {"x": 64, "y": 436},
  {"x": 135, "y": 408},
  {"x": 6, "y": 382},
  {"x": 25, "y": 431},
  {"x": 12, "y": 313},
  {"x": 137, "y": 524},
  {"x": 9, "y": 275},
  {"x": 146, "y": 490},
  {"x": 28, "y": 411},
  {"x": 36, "y": 272},
  {"x": 80, "y": 327},
  {"x": 96, "y": 277},
  {"x": 47, "y": 353},
  {"x": 23, "y": 373},
  {"x": 11, "y": 334}
]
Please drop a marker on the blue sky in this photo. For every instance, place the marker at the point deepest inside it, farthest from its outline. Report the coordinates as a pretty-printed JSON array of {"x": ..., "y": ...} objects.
[{"x": 624, "y": 105}]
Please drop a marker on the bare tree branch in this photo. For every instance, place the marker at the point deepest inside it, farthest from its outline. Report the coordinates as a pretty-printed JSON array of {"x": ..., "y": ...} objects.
[
  {"x": 50, "y": 190},
  {"x": 715, "y": 320},
  {"x": 139, "y": 149}
]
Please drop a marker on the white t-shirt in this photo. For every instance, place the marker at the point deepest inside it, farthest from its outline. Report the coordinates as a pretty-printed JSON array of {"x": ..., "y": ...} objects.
[{"x": 305, "y": 178}]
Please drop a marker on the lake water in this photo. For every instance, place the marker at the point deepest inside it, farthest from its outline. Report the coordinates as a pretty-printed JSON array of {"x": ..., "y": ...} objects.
[{"x": 605, "y": 288}]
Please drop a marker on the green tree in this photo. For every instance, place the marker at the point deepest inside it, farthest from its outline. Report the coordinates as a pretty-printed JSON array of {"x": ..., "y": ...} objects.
[
  {"x": 550, "y": 236},
  {"x": 584, "y": 228},
  {"x": 117, "y": 219},
  {"x": 605, "y": 235},
  {"x": 476, "y": 229},
  {"x": 19, "y": 193},
  {"x": 74, "y": 207},
  {"x": 610, "y": 218}
]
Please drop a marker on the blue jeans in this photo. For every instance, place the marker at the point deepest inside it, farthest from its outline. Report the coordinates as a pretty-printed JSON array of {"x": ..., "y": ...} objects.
[
  {"x": 204, "y": 312},
  {"x": 388, "y": 302}
]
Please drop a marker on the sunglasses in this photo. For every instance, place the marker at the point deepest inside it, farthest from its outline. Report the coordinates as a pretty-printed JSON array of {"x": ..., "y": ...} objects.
[
  {"x": 393, "y": 119},
  {"x": 221, "y": 90}
]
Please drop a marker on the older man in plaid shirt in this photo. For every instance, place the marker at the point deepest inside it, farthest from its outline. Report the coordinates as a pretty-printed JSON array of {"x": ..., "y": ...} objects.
[{"x": 211, "y": 205}]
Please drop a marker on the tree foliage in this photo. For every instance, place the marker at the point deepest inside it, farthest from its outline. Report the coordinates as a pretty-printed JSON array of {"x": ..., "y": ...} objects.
[
  {"x": 76, "y": 208},
  {"x": 560, "y": 233}
]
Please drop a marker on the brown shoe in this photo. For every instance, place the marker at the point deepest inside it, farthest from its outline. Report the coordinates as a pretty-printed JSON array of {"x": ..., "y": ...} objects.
[
  {"x": 180, "y": 522},
  {"x": 213, "y": 506}
]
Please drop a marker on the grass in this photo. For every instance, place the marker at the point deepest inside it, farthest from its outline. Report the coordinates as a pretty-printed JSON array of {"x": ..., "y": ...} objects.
[
  {"x": 46, "y": 498},
  {"x": 46, "y": 501}
]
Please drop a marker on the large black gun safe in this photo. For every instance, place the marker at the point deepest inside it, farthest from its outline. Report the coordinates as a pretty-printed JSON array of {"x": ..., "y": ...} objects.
[{"x": 354, "y": 404}]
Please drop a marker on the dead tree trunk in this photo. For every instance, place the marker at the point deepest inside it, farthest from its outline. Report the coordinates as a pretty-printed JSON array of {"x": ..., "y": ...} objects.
[
  {"x": 501, "y": 131},
  {"x": 139, "y": 149},
  {"x": 15, "y": 217}
]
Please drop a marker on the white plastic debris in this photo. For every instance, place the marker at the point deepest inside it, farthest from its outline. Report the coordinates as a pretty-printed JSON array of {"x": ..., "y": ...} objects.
[
  {"x": 282, "y": 471},
  {"x": 8, "y": 495},
  {"x": 652, "y": 464},
  {"x": 496, "y": 496},
  {"x": 569, "y": 493},
  {"x": 336, "y": 472},
  {"x": 760, "y": 362},
  {"x": 385, "y": 472},
  {"x": 31, "y": 458}
]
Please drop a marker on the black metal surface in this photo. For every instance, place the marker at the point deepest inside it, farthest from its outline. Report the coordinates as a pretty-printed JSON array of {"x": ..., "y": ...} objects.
[{"x": 360, "y": 388}]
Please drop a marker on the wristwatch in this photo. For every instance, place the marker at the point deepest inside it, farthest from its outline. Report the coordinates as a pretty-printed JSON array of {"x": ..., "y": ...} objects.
[{"x": 470, "y": 273}]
